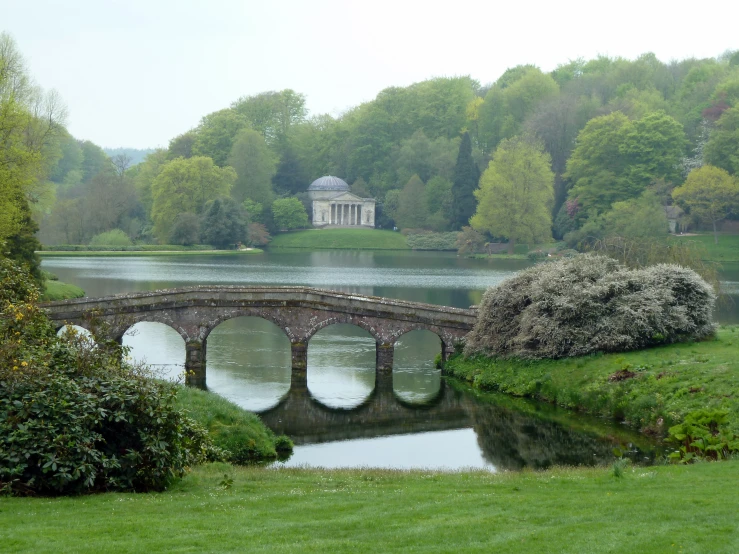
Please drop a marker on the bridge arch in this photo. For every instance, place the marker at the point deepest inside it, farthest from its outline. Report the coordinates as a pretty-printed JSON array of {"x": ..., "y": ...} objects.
[
  {"x": 269, "y": 315},
  {"x": 345, "y": 319}
]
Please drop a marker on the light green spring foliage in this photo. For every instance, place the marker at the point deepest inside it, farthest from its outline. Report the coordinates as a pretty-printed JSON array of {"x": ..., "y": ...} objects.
[
  {"x": 289, "y": 213},
  {"x": 411, "y": 212},
  {"x": 114, "y": 237},
  {"x": 516, "y": 193},
  {"x": 185, "y": 185},
  {"x": 30, "y": 126},
  {"x": 255, "y": 165},
  {"x": 710, "y": 194}
]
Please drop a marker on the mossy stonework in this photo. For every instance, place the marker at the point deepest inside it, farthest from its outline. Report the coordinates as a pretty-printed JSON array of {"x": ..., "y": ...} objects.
[{"x": 300, "y": 312}]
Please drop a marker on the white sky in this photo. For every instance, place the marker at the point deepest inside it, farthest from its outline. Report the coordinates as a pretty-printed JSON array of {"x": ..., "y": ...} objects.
[{"x": 136, "y": 73}]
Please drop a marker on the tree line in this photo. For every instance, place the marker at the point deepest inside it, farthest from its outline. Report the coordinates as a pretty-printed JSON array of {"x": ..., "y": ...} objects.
[{"x": 574, "y": 153}]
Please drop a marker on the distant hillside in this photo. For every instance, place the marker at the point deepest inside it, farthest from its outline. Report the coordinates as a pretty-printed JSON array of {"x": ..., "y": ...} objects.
[{"x": 137, "y": 155}]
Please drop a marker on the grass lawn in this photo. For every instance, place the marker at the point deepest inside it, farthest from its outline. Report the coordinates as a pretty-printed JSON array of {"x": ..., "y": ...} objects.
[
  {"x": 88, "y": 253},
  {"x": 56, "y": 290},
  {"x": 657, "y": 509},
  {"x": 231, "y": 427},
  {"x": 351, "y": 239},
  {"x": 664, "y": 383},
  {"x": 727, "y": 249}
]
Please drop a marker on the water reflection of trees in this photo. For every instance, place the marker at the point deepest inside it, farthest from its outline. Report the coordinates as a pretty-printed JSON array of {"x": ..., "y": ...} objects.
[{"x": 509, "y": 438}]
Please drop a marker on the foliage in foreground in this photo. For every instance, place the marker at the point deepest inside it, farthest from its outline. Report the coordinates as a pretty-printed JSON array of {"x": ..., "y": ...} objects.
[
  {"x": 588, "y": 303},
  {"x": 648, "y": 509},
  {"x": 651, "y": 390},
  {"x": 74, "y": 417}
]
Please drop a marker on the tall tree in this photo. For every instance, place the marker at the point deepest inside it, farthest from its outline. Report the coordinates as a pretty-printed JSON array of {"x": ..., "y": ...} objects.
[
  {"x": 616, "y": 159},
  {"x": 710, "y": 194},
  {"x": 215, "y": 135},
  {"x": 722, "y": 149},
  {"x": 289, "y": 177},
  {"x": 30, "y": 126},
  {"x": 516, "y": 193},
  {"x": 255, "y": 165},
  {"x": 185, "y": 185},
  {"x": 412, "y": 212},
  {"x": 464, "y": 183}
]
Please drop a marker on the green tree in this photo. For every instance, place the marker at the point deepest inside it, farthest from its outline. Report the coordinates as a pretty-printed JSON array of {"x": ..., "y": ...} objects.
[
  {"x": 722, "y": 149},
  {"x": 215, "y": 135},
  {"x": 94, "y": 160},
  {"x": 512, "y": 98},
  {"x": 464, "y": 183},
  {"x": 272, "y": 114},
  {"x": 516, "y": 193},
  {"x": 412, "y": 212},
  {"x": 185, "y": 185},
  {"x": 223, "y": 223},
  {"x": 185, "y": 230},
  {"x": 637, "y": 218},
  {"x": 255, "y": 167},
  {"x": 182, "y": 146},
  {"x": 616, "y": 159},
  {"x": 289, "y": 213},
  {"x": 30, "y": 128},
  {"x": 289, "y": 177},
  {"x": 144, "y": 175},
  {"x": 710, "y": 194}
]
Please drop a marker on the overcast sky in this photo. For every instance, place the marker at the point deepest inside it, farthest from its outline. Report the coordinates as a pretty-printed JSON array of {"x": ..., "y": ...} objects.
[{"x": 138, "y": 72}]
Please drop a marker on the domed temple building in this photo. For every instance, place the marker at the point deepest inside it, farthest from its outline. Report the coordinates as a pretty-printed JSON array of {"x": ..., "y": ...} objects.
[{"x": 334, "y": 205}]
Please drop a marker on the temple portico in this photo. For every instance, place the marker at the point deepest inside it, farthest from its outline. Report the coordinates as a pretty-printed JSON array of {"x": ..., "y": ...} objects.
[{"x": 333, "y": 204}]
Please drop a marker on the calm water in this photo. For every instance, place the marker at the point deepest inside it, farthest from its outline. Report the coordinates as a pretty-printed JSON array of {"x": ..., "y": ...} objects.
[{"x": 343, "y": 416}]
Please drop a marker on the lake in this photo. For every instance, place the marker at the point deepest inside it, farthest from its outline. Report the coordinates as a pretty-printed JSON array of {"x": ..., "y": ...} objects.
[{"x": 346, "y": 415}]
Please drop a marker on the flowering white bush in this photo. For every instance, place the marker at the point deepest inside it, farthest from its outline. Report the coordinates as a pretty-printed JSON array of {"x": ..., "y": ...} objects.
[{"x": 591, "y": 303}]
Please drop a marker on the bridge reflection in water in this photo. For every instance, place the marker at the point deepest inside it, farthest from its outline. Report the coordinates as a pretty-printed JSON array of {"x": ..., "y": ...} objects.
[{"x": 508, "y": 437}]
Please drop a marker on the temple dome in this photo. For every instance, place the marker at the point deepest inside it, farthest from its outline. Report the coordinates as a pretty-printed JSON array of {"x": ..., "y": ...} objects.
[{"x": 329, "y": 182}]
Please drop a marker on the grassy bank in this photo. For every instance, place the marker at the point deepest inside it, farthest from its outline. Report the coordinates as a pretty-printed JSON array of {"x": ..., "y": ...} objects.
[
  {"x": 57, "y": 290},
  {"x": 727, "y": 249},
  {"x": 138, "y": 253},
  {"x": 240, "y": 432},
  {"x": 648, "y": 389},
  {"x": 350, "y": 239},
  {"x": 660, "y": 509}
]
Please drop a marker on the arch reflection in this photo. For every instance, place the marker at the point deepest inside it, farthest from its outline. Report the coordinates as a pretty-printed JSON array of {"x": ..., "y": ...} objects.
[
  {"x": 341, "y": 366},
  {"x": 249, "y": 362},
  {"x": 416, "y": 379}
]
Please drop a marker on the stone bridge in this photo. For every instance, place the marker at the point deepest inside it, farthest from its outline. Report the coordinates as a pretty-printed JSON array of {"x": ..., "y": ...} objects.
[{"x": 299, "y": 311}]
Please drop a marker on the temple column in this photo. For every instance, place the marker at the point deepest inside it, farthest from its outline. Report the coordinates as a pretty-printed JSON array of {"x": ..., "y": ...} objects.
[
  {"x": 359, "y": 214},
  {"x": 340, "y": 207},
  {"x": 354, "y": 214},
  {"x": 195, "y": 363}
]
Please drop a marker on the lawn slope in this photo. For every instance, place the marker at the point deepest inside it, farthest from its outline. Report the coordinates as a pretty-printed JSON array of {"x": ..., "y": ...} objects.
[{"x": 351, "y": 239}]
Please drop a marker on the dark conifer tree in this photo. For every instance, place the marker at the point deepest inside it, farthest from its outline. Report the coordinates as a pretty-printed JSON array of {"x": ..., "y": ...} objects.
[
  {"x": 465, "y": 181},
  {"x": 290, "y": 177},
  {"x": 223, "y": 224}
]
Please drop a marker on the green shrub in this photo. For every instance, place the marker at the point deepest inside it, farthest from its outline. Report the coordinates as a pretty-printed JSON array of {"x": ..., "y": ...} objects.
[
  {"x": 589, "y": 303},
  {"x": 115, "y": 237},
  {"x": 433, "y": 241},
  {"x": 75, "y": 418}
]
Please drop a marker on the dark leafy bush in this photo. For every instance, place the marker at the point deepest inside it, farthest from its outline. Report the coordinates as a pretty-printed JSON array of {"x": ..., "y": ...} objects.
[
  {"x": 590, "y": 303},
  {"x": 703, "y": 435},
  {"x": 74, "y": 417}
]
